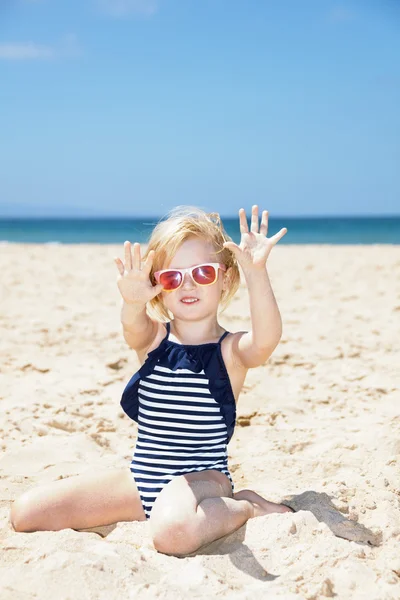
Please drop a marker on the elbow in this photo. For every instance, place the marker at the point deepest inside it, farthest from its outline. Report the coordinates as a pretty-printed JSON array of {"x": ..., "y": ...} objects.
[
  {"x": 258, "y": 356},
  {"x": 266, "y": 351},
  {"x": 269, "y": 345}
]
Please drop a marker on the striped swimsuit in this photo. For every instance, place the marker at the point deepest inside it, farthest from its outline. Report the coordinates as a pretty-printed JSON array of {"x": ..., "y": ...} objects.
[{"x": 184, "y": 405}]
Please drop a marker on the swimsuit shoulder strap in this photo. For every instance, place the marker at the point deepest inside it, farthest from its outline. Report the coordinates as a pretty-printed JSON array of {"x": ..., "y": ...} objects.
[
  {"x": 168, "y": 326},
  {"x": 223, "y": 336}
]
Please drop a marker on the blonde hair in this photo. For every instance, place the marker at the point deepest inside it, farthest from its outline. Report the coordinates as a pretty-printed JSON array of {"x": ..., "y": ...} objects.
[{"x": 182, "y": 223}]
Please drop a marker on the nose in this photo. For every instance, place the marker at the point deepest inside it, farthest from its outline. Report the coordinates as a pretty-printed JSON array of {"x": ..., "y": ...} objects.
[{"x": 188, "y": 281}]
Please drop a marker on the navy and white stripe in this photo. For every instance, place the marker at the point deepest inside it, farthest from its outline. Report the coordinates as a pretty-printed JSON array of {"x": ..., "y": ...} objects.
[{"x": 180, "y": 430}]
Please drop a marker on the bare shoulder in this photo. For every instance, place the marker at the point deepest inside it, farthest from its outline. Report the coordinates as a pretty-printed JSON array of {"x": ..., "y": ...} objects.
[
  {"x": 236, "y": 371},
  {"x": 160, "y": 333}
]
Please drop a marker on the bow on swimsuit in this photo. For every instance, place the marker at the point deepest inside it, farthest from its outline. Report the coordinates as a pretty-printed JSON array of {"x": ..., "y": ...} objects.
[{"x": 184, "y": 405}]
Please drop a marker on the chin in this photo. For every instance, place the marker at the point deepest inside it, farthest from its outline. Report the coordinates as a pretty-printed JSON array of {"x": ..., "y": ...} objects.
[{"x": 193, "y": 313}]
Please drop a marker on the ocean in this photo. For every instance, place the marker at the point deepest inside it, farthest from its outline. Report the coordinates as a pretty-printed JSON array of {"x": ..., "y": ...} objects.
[{"x": 301, "y": 230}]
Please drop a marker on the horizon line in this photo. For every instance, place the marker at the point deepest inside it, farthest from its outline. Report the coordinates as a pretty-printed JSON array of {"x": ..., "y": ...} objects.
[{"x": 223, "y": 216}]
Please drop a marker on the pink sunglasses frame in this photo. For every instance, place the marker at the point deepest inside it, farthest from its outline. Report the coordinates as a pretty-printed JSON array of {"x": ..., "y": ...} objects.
[{"x": 190, "y": 270}]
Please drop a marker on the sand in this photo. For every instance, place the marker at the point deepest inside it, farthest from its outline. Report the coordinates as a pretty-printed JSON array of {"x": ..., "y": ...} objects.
[{"x": 322, "y": 415}]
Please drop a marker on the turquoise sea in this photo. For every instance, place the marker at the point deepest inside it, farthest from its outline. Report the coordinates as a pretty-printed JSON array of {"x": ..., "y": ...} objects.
[{"x": 304, "y": 230}]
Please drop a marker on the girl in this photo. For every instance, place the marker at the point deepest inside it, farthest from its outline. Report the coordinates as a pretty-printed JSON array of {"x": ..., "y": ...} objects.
[{"x": 184, "y": 395}]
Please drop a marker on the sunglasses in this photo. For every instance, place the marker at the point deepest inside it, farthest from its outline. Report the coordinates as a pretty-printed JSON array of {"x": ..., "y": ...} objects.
[{"x": 204, "y": 274}]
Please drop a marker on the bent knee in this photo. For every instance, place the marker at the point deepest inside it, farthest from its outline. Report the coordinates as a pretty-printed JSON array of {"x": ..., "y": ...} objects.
[
  {"x": 175, "y": 535},
  {"x": 21, "y": 513}
]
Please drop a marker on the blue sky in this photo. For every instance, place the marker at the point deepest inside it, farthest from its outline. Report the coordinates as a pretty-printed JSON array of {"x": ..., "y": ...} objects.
[{"x": 130, "y": 107}]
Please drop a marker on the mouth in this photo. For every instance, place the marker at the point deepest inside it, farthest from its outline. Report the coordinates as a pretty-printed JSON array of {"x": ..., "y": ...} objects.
[{"x": 189, "y": 300}]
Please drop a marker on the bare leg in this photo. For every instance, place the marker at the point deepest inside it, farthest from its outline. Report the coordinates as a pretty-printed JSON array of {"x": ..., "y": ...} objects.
[
  {"x": 195, "y": 509},
  {"x": 261, "y": 505},
  {"x": 79, "y": 502},
  {"x": 220, "y": 516},
  {"x": 217, "y": 517}
]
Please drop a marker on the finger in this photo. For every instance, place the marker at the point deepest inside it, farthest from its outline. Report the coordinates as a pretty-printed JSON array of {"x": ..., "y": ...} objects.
[
  {"x": 275, "y": 238},
  {"x": 243, "y": 221},
  {"x": 157, "y": 289},
  {"x": 254, "y": 218},
  {"x": 232, "y": 247},
  {"x": 120, "y": 265},
  {"x": 128, "y": 256},
  {"x": 136, "y": 256},
  {"x": 264, "y": 223}
]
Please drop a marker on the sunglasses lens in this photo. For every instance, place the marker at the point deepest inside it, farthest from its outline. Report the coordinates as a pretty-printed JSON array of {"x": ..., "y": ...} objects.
[
  {"x": 170, "y": 280},
  {"x": 204, "y": 275}
]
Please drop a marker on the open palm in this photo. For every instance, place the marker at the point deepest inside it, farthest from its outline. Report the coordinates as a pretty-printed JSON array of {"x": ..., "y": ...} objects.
[{"x": 254, "y": 247}]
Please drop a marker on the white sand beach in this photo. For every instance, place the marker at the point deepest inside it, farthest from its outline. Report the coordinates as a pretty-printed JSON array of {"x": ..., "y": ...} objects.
[{"x": 322, "y": 414}]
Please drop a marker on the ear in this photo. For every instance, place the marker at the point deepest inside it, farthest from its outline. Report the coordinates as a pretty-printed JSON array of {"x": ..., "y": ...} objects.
[{"x": 226, "y": 282}]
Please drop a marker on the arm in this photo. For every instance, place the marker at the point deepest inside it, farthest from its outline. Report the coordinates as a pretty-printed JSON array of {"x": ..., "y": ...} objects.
[
  {"x": 252, "y": 348},
  {"x": 138, "y": 329},
  {"x": 136, "y": 290},
  {"x": 256, "y": 346}
]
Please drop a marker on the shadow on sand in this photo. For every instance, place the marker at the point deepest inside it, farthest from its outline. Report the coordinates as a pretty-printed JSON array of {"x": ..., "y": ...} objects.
[
  {"x": 322, "y": 508},
  {"x": 318, "y": 503}
]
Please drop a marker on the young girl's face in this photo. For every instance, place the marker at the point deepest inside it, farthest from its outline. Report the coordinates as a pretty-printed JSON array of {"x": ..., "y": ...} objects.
[{"x": 192, "y": 252}]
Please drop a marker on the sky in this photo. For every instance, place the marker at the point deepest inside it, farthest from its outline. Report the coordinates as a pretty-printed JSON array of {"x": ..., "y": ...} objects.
[{"x": 131, "y": 107}]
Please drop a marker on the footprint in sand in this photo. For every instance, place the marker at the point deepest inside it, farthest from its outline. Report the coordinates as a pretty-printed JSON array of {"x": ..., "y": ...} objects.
[
  {"x": 118, "y": 364},
  {"x": 244, "y": 420}
]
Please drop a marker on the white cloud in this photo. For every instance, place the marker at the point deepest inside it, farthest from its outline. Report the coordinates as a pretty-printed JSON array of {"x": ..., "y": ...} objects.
[
  {"x": 25, "y": 51},
  {"x": 125, "y": 8},
  {"x": 341, "y": 14},
  {"x": 67, "y": 47}
]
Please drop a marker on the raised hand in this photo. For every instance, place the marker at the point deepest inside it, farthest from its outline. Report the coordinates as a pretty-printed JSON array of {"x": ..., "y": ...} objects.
[
  {"x": 254, "y": 248},
  {"x": 134, "y": 279}
]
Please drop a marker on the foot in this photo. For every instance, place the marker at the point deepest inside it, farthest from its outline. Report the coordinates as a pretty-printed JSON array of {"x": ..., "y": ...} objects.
[{"x": 261, "y": 506}]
